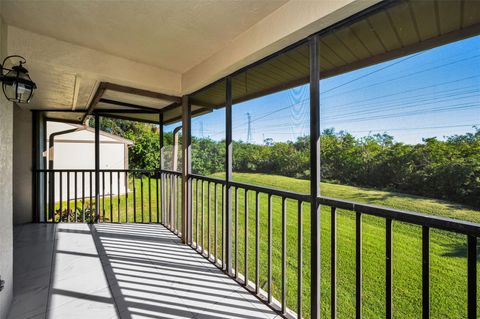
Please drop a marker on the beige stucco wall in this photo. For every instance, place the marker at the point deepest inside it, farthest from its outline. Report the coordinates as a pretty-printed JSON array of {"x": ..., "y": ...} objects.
[
  {"x": 6, "y": 161},
  {"x": 6, "y": 205},
  {"x": 22, "y": 165}
]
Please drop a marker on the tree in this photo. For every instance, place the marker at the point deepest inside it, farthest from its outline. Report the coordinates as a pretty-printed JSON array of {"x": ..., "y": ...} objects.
[{"x": 445, "y": 169}]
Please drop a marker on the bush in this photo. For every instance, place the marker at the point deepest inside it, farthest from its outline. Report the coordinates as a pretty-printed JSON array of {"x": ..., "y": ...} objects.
[{"x": 444, "y": 169}]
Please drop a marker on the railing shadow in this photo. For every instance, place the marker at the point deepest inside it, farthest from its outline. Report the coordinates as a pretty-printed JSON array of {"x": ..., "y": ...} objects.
[
  {"x": 151, "y": 273},
  {"x": 126, "y": 271},
  {"x": 459, "y": 251}
]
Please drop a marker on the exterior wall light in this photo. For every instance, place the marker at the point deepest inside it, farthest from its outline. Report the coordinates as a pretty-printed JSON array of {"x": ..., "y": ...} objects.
[{"x": 16, "y": 83}]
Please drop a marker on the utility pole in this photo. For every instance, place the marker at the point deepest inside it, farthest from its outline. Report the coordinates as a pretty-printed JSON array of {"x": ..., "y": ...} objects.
[{"x": 249, "y": 128}]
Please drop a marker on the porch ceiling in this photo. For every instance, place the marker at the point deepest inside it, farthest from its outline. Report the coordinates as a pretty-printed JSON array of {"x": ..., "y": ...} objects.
[
  {"x": 172, "y": 35},
  {"x": 127, "y": 103},
  {"x": 73, "y": 46}
]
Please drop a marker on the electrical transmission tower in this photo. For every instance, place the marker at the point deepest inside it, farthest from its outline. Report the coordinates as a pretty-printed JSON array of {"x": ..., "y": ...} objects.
[{"x": 249, "y": 128}]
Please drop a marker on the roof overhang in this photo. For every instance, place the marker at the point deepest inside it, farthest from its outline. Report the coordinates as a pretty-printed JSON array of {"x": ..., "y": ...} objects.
[{"x": 381, "y": 33}]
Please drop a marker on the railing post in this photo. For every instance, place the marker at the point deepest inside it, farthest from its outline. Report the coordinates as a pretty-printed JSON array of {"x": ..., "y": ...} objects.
[
  {"x": 97, "y": 169},
  {"x": 162, "y": 187},
  {"x": 315, "y": 175},
  {"x": 228, "y": 176},
  {"x": 158, "y": 174},
  {"x": 51, "y": 188},
  {"x": 38, "y": 162},
  {"x": 35, "y": 188},
  {"x": 425, "y": 272},
  {"x": 472, "y": 276},
  {"x": 43, "y": 164},
  {"x": 186, "y": 170},
  {"x": 160, "y": 129}
]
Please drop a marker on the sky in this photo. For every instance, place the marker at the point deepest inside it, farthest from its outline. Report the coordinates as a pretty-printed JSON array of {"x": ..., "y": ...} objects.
[{"x": 434, "y": 93}]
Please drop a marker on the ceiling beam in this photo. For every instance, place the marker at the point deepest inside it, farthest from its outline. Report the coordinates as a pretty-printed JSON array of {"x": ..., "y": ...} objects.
[
  {"x": 141, "y": 92},
  {"x": 194, "y": 113},
  {"x": 120, "y": 117},
  {"x": 130, "y": 105},
  {"x": 103, "y": 86},
  {"x": 122, "y": 111},
  {"x": 98, "y": 95}
]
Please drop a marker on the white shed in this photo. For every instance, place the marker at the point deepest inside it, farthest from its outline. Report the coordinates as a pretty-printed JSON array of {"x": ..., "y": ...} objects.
[{"x": 76, "y": 150}]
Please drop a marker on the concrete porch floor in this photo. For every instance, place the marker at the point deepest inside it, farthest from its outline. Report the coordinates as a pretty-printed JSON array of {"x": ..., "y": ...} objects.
[{"x": 120, "y": 271}]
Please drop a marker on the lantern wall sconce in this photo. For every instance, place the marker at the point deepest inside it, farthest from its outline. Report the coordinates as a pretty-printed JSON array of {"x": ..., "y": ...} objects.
[{"x": 16, "y": 83}]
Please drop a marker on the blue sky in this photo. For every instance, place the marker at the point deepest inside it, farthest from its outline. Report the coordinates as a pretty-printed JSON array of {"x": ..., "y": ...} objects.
[{"x": 433, "y": 93}]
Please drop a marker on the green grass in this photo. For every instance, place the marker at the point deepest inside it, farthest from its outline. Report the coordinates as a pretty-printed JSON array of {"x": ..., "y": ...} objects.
[
  {"x": 125, "y": 208},
  {"x": 448, "y": 250}
]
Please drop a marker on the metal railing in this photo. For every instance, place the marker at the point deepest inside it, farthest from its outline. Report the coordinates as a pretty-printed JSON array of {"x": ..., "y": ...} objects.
[
  {"x": 208, "y": 197},
  {"x": 171, "y": 195},
  {"x": 138, "y": 196},
  {"x": 427, "y": 222},
  {"x": 155, "y": 196},
  {"x": 203, "y": 187}
]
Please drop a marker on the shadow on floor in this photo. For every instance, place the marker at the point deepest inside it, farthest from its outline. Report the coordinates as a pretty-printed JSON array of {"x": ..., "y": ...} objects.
[
  {"x": 120, "y": 271},
  {"x": 152, "y": 275}
]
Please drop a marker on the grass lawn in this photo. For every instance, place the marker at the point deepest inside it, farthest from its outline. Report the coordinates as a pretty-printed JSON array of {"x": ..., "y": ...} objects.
[
  {"x": 448, "y": 251},
  {"x": 125, "y": 208}
]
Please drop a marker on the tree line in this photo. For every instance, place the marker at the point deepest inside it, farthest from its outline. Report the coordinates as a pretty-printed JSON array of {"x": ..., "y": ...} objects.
[{"x": 447, "y": 168}]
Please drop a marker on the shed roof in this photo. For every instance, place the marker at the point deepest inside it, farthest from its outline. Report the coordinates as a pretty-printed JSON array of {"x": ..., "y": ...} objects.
[{"x": 107, "y": 137}]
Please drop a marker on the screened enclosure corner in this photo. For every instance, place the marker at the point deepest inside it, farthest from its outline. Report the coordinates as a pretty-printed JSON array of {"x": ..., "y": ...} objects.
[{"x": 335, "y": 178}]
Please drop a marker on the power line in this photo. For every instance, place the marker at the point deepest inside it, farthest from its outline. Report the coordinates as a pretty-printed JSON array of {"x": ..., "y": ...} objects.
[
  {"x": 370, "y": 110},
  {"x": 403, "y": 103},
  {"x": 396, "y": 129},
  {"x": 406, "y": 75},
  {"x": 371, "y": 85},
  {"x": 385, "y": 130},
  {"x": 436, "y": 85},
  {"x": 373, "y": 72},
  {"x": 416, "y": 128},
  {"x": 343, "y": 119},
  {"x": 368, "y": 86},
  {"x": 381, "y": 108},
  {"x": 457, "y": 107}
]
